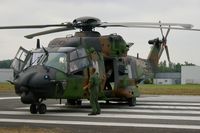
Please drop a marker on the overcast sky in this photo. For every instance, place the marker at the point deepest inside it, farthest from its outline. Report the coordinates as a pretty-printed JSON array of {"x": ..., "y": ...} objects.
[{"x": 183, "y": 45}]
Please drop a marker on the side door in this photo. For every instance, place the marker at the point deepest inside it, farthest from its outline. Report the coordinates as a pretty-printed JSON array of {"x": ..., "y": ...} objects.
[
  {"x": 78, "y": 63},
  {"x": 20, "y": 60}
]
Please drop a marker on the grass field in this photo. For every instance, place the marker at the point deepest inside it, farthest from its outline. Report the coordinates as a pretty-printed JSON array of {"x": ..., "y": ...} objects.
[
  {"x": 189, "y": 89},
  {"x": 32, "y": 130},
  {"x": 6, "y": 87}
]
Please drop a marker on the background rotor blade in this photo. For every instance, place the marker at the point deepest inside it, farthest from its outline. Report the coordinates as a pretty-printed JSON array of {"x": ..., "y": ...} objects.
[
  {"x": 32, "y": 26},
  {"x": 161, "y": 51},
  {"x": 167, "y": 52},
  {"x": 168, "y": 30},
  {"x": 133, "y": 24},
  {"x": 49, "y": 32}
]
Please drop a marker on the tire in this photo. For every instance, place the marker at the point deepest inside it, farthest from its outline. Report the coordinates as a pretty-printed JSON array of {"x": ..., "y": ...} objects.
[
  {"x": 42, "y": 108},
  {"x": 71, "y": 102},
  {"x": 132, "y": 101},
  {"x": 107, "y": 101},
  {"x": 33, "y": 109},
  {"x": 79, "y": 102}
]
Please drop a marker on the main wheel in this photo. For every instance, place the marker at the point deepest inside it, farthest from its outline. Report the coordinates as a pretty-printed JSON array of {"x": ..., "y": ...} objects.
[
  {"x": 71, "y": 102},
  {"x": 33, "y": 109},
  {"x": 79, "y": 102},
  {"x": 42, "y": 108},
  {"x": 132, "y": 101},
  {"x": 107, "y": 101}
]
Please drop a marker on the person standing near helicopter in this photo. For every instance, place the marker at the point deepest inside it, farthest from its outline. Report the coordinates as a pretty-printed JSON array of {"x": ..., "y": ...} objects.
[{"x": 93, "y": 87}]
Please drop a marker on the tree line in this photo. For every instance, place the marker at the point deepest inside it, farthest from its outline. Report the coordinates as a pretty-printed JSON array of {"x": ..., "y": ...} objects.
[
  {"x": 173, "y": 67},
  {"x": 5, "y": 63}
]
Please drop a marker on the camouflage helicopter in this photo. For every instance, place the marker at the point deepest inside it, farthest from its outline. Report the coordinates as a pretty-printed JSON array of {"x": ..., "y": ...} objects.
[{"x": 61, "y": 70}]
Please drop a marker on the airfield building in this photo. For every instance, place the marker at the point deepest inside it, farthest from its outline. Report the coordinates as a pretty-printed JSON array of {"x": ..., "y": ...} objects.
[
  {"x": 190, "y": 75},
  {"x": 167, "y": 78}
]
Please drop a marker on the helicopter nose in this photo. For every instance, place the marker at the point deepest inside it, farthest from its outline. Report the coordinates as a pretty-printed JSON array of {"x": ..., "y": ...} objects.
[
  {"x": 34, "y": 79},
  {"x": 34, "y": 83}
]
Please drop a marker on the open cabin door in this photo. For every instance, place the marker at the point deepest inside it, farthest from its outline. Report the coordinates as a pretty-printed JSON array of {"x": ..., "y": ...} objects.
[{"x": 20, "y": 60}]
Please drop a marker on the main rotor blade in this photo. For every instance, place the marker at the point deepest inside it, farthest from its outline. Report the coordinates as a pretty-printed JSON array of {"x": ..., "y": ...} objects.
[
  {"x": 136, "y": 24},
  {"x": 149, "y": 27},
  {"x": 49, "y": 32},
  {"x": 161, "y": 30},
  {"x": 33, "y": 26}
]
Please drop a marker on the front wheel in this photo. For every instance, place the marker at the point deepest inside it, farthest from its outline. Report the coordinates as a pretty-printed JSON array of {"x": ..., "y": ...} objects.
[
  {"x": 33, "y": 109},
  {"x": 132, "y": 101},
  {"x": 42, "y": 108}
]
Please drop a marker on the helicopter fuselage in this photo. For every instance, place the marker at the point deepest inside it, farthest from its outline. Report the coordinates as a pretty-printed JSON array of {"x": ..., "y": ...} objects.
[{"x": 61, "y": 70}]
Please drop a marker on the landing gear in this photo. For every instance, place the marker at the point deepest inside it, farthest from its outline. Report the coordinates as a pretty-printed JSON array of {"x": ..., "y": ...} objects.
[
  {"x": 39, "y": 107},
  {"x": 107, "y": 101},
  {"x": 42, "y": 108},
  {"x": 79, "y": 102},
  {"x": 132, "y": 101},
  {"x": 33, "y": 109},
  {"x": 74, "y": 102}
]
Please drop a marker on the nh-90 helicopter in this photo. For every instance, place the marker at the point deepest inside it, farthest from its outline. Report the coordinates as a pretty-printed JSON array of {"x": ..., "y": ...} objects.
[{"x": 61, "y": 70}]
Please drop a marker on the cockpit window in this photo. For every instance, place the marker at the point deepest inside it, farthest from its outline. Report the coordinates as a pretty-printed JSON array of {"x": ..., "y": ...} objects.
[
  {"x": 20, "y": 60},
  {"x": 21, "y": 55},
  {"x": 36, "y": 58},
  {"x": 57, "y": 60}
]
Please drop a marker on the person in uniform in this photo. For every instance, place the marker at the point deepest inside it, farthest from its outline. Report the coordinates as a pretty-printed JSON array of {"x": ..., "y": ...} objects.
[{"x": 93, "y": 87}]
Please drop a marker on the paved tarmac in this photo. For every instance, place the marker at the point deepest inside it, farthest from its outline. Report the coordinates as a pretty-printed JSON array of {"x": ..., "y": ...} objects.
[{"x": 152, "y": 114}]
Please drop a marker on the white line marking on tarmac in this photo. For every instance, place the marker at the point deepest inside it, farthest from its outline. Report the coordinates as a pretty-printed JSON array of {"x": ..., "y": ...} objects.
[
  {"x": 166, "y": 107},
  {"x": 86, "y": 123},
  {"x": 169, "y": 103},
  {"x": 138, "y": 109},
  {"x": 111, "y": 115},
  {"x": 152, "y": 111},
  {"x": 9, "y": 98},
  {"x": 126, "y": 110},
  {"x": 142, "y": 107},
  {"x": 128, "y": 116}
]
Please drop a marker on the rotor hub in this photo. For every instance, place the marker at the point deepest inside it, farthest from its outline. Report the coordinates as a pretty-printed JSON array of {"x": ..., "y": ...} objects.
[{"x": 86, "y": 23}]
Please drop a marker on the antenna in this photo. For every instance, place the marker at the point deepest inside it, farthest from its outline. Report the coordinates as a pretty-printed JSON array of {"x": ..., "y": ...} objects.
[{"x": 38, "y": 44}]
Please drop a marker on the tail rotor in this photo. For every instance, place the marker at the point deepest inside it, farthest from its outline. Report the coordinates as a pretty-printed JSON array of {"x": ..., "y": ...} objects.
[{"x": 164, "y": 43}]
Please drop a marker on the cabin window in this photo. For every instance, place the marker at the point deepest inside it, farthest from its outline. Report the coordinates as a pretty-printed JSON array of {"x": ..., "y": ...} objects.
[
  {"x": 73, "y": 55},
  {"x": 122, "y": 70},
  {"x": 78, "y": 64},
  {"x": 78, "y": 60},
  {"x": 129, "y": 71},
  {"x": 79, "y": 53}
]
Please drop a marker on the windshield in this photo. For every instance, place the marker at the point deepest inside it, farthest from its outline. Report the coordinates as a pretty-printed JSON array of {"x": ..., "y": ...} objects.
[
  {"x": 57, "y": 60},
  {"x": 34, "y": 59}
]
